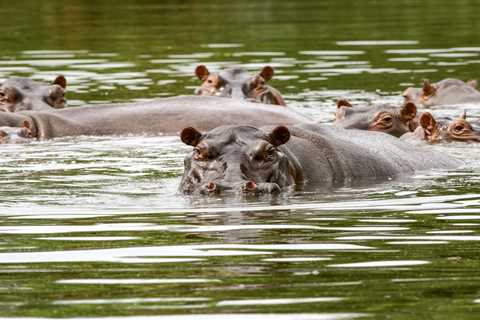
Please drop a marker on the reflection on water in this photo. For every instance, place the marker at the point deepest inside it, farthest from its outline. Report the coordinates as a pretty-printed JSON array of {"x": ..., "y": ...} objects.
[{"x": 93, "y": 227}]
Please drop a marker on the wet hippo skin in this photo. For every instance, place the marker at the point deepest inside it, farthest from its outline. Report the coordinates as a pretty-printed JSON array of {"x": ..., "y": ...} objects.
[
  {"x": 272, "y": 159},
  {"x": 160, "y": 116},
  {"x": 17, "y": 94}
]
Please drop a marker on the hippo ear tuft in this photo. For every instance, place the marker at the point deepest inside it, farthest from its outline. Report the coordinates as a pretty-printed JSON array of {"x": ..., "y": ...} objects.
[
  {"x": 427, "y": 88},
  {"x": 280, "y": 135},
  {"x": 472, "y": 83},
  {"x": 464, "y": 115},
  {"x": 190, "y": 136},
  {"x": 427, "y": 120},
  {"x": 408, "y": 111},
  {"x": 267, "y": 73},
  {"x": 343, "y": 103},
  {"x": 61, "y": 81},
  {"x": 201, "y": 72}
]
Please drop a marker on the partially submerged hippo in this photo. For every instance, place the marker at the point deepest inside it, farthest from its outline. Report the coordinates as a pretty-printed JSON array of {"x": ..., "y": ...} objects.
[
  {"x": 271, "y": 159},
  {"x": 444, "y": 92},
  {"x": 386, "y": 118},
  {"x": 159, "y": 116},
  {"x": 21, "y": 134},
  {"x": 237, "y": 83},
  {"x": 443, "y": 130},
  {"x": 18, "y": 94}
]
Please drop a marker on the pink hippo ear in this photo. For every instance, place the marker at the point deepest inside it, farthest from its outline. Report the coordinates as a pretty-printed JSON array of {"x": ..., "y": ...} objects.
[
  {"x": 201, "y": 72},
  {"x": 61, "y": 81},
  {"x": 343, "y": 103},
  {"x": 280, "y": 135},
  {"x": 408, "y": 111},
  {"x": 428, "y": 89},
  {"x": 472, "y": 83},
  {"x": 427, "y": 121},
  {"x": 190, "y": 136},
  {"x": 26, "y": 124},
  {"x": 267, "y": 73},
  {"x": 3, "y": 134}
]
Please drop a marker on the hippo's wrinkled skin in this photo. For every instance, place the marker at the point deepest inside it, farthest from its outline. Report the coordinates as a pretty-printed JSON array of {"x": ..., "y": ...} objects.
[
  {"x": 444, "y": 92},
  {"x": 18, "y": 94},
  {"x": 272, "y": 159},
  {"x": 238, "y": 84},
  {"x": 159, "y": 116},
  {"x": 381, "y": 117},
  {"x": 443, "y": 130}
]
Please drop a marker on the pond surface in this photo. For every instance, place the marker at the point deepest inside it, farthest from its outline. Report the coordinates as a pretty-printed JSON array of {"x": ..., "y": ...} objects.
[{"x": 93, "y": 226}]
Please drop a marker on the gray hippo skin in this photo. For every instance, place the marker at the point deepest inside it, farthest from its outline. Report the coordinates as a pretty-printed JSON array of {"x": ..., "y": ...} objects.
[
  {"x": 18, "y": 94},
  {"x": 159, "y": 116},
  {"x": 236, "y": 83},
  {"x": 433, "y": 130},
  {"x": 445, "y": 92},
  {"x": 387, "y": 118},
  {"x": 271, "y": 159}
]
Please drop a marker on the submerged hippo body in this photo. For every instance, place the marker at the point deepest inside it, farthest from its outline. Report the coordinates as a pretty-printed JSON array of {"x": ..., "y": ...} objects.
[
  {"x": 271, "y": 159},
  {"x": 237, "y": 83},
  {"x": 445, "y": 92},
  {"x": 159, "y": 116},
  {"x": 394, "y": 120},
  {"x": 19, "y": 94}
]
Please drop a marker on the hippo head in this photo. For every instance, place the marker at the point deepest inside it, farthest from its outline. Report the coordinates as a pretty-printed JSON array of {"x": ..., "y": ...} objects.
[
  {"x": 382, "y": 117},
  {"x": 238, "y": 84},
  {"x": 446, "y": 131},
  {"x": 18, "y": 94},
  {"x": 446, "y": 91},
  {"x": 238, "y": 159},
  {"x": 16, "y": 134}
]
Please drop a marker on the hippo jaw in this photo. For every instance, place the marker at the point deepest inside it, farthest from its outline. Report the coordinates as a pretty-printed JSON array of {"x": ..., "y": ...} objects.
[
  {"x": 237, "y": 84},
  {"x": 236, "y": 160}
]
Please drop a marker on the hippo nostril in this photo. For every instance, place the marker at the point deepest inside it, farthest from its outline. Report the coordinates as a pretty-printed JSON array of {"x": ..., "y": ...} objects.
[
  {"x": 250, "y": 186},
  {"x": 211, "y": 186}
]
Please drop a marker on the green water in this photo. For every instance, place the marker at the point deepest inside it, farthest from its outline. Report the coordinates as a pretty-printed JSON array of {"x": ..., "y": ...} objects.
[{"x": 93, "y": 227}]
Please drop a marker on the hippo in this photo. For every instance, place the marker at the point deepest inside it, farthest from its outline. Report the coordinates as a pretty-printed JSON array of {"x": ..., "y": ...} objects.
[
  {"x": 386, "y": 118},
  {"x": 443, "y": 130},
  {"x": 238, "y": 84},
  {"x": 159, "y": 116},
  {"x": 247, "y": 159},
  {"x": 11, "y": 135},
  {"x": 17, "y": 94},
  {"x": 444, "y": 92}
]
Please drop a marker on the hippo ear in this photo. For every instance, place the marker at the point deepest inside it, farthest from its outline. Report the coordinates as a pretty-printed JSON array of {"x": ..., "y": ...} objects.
[
  {"x": 280, "y": 135},
  {"x": 61, "y": 81},
  {"x": 427, "y": 121},
  {"x": 201, "y": 72},
  {"x": 267, "y": 73},
  {"x": 190, "y": 136},
  {"x": 408, "y": 111},
  {"x": 3, "y": 134},
  {"x": 428, "y": 89},
  {"x": 343, "y": 103},
  {"x": 26, "y": 124},
  {"x": 472, "y": 83},
  {"x": 464, "y": 115}
]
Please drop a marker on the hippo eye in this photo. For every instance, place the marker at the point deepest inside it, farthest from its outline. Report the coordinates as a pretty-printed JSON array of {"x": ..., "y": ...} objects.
[
  {"x": 209, "y": 81},
  {"x": 387, "y": 118},
  {"x": 458, "y": 127}
]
